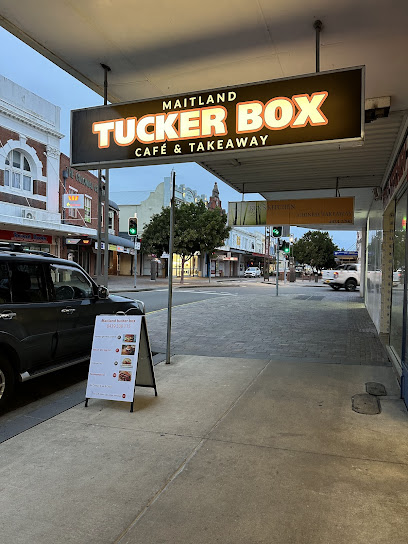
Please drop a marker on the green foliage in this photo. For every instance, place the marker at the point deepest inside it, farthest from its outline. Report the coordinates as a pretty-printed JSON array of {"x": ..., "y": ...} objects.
[
  {"x": 196, "y": 228},
  {"x": 315, "y": 248}
]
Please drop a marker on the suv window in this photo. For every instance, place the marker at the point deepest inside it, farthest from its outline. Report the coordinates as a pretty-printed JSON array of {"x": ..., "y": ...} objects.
[
  {"x": 352, "y": 267},
  {"x": 28, "y": 282},
  {"x": 5, "y": 295},
  {"x": 70, "y": 283}
]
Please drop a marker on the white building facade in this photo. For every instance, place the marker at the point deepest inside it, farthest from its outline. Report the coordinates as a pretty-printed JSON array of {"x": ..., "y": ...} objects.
[{"x": 30, "y": 170}]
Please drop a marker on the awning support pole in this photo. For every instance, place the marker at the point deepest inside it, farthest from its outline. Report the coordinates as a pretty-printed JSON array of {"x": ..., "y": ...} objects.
[
  {"x": 170, "y": 272},
  {"x": 106, "y": 197},
  {"x": 99, "y": 277},
  {"x": 318, "y": 25}
]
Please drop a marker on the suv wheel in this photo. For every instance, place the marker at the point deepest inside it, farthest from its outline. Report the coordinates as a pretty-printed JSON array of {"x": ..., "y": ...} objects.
[
  {"x": 350, "y": 285},
  {"x": 7, "y": 381}
]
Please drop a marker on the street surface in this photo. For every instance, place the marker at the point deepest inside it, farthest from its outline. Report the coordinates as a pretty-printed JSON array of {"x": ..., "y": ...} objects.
[{"x": 305, "y": 322}]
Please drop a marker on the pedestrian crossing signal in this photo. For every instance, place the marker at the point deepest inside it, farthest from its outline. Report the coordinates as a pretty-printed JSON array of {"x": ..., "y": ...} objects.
[
  {"x": 132, "y": 227},
  {"x": 276, "y": 232}
]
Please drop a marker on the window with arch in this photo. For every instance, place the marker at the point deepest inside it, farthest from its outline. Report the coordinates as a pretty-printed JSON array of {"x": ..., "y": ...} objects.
[{"x": 17, "y": 172}]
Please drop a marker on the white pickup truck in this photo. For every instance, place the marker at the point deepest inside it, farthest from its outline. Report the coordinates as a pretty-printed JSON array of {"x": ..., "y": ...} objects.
[{"x": 347, "y": 276}]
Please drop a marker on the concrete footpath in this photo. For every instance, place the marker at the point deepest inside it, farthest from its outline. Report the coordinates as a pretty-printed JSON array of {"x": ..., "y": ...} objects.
[{"x": 236, "y": 450}]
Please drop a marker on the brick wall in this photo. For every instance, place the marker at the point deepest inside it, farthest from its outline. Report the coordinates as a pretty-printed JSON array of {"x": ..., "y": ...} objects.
[
  {"x": 85, "y": 183},
  {"x": 22, "y": 201},
  {"x": 40, "y": 149},
  {"x": 6, "y": 135},
  {"x": 39, "y": 187}
]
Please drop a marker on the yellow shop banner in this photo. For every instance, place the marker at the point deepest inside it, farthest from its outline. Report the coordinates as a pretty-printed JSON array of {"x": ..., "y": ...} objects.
[{"x": 312, "y": 211}]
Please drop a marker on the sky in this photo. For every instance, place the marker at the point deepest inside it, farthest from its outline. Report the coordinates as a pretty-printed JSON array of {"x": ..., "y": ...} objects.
[{"x": 34, "y": 72}]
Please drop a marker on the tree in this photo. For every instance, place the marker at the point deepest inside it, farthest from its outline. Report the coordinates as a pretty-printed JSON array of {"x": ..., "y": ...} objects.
[
  {"x": 196, "y": 229},
  {"x": 315, "y": 248}
]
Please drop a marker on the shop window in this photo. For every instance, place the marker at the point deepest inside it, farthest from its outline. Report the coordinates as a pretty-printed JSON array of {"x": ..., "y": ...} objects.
[
  {"x": 88, "y": 209},
  {"x": 397, "y": 303},
  {"x": 111, "y": 221},
  {"x": 17, "y": 172}
]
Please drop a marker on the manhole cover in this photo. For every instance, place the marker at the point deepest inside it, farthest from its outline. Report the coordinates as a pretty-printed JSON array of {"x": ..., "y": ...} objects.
[
  {"x": 375, "y": 388},
  {"x": 366, "y": 404}
]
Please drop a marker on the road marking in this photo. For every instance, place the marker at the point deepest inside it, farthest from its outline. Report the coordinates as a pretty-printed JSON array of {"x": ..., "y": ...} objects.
[
  {"x": 176, "y": 306},
  {"x": 203, "y": 292}
]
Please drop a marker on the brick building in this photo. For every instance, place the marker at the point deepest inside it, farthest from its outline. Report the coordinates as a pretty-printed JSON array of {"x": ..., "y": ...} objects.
[
  {"x": 29, "y": 165},
  {"x": 83, "y": 249},
  {"x": 34, "y": 175}
]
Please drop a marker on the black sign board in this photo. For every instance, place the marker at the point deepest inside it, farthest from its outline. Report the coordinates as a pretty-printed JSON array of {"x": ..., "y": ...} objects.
[{"x": 326, "y": 106}]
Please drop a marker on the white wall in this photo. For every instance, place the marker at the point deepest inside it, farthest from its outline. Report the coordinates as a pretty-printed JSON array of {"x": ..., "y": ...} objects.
[{"x": 32, "y": 117}]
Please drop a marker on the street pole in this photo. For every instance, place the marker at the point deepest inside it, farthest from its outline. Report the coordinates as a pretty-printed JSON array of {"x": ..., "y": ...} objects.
[
  {"x": 264, "y": 270},
  {"x": 277, "y": 266},
  {"x": 106, "y": 197},
  {"x": 135, "y": 271},
  {"x": 106, "y": 231},
  {"x": 99, "y": 277},
  {"x": 170, "y": 299}
]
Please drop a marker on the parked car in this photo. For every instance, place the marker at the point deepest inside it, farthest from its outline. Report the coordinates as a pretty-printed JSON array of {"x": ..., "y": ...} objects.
[
  {"x": 47, "y": 315},
  {"x": 398, "y": 277},
  {"x": 252, "y": 272},
  {"x": 328, "y": 275},
  {"x": 347, "y": 276}
]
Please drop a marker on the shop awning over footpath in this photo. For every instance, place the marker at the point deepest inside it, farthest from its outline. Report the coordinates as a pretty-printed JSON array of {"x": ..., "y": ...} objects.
[{"x": 116, "y": 243}]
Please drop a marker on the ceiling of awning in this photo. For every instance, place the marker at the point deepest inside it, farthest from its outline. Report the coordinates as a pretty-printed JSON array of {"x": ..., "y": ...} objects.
[{"x": 161, "y": 48}]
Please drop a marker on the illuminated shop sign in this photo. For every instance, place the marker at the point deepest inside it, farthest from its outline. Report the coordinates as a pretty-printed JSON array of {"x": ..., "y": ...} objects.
[
  {"x": 27, "y": 237},
  {"x": 73, "y": 201},
  {"x": 327, "y": 106}
]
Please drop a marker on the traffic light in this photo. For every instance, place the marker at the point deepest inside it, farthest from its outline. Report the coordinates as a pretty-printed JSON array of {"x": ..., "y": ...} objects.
[
  {"x": 132, "y": 226},
  {"x": 276, "y": 232},
  {"x": 285, "y": 247}
]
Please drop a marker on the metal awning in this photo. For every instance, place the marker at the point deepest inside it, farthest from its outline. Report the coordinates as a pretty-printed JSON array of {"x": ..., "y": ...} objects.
[{"x": 165, "y": 48}]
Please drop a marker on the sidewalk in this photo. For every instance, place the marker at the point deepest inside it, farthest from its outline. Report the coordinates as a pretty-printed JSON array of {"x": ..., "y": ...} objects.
[{"x": 238, "y": 449}]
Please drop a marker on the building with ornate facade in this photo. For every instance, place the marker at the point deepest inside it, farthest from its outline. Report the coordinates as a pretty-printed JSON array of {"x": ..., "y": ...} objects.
[{"x": 34, "y": 176}]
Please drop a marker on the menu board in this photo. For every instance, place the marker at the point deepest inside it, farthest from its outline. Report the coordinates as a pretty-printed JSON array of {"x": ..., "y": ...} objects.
[{"x": 115, "y": 351}]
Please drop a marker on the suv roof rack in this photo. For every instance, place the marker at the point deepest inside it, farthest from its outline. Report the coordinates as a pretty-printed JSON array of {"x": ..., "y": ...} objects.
[{"x": 18, "y": 248}]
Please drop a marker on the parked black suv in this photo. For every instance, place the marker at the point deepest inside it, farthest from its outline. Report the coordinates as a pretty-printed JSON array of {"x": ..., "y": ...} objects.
[{"x": 47, "y": 314}]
